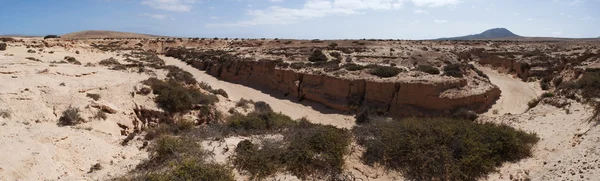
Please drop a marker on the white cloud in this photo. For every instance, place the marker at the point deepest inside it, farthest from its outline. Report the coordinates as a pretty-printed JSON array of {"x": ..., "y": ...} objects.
[
  {"x": 419, "y": 11},
  {"x": 440, "y": 21},
  {"x": 435, "y": 3},
  {"x": 155, "y": 16},
  {"x": 320, "y": 8},
  {"x": 214, "y": 17},
  {"x": 586, "y": 18},
  {"x": 170, "y": 5},
  {"x": 276, "y": 0}
]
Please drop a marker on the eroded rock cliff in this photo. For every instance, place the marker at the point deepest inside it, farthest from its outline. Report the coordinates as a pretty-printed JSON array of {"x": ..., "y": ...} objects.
[{"x": 409, "y": 94}]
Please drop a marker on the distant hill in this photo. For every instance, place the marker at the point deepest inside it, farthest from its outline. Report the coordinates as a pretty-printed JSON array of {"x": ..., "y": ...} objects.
[
  {"x": 488, "y": 34},
  {"x": 105, "y": 34}
]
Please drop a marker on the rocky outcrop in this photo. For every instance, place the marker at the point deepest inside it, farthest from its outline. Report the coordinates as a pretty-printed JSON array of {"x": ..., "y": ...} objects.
[{"x": 404, "y": 97}]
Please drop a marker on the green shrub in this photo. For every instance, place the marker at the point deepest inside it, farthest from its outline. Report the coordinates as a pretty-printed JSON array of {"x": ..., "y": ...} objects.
[
  {"x": 180, "y": 75},
  {"x": 307, "y": 150},
  {"x": 174, "y": 97},
  {"x": 70, "y": 117},
  {"x": 316, "y": 150},
  {"x": 257, "y": 162},
  {"x": 453, "y": 70},
  {"x": 96, "y": 97},
  {"x": 262, "y": 107},
  {"x": 177, "y": 158},
  {"x": 428, "y": 69},
  {"x": 259, "y": 123},
  {"x": 317, "y": 56},
  {"x": 384, "y": 71},
  {"x": 442, "y": 148}
]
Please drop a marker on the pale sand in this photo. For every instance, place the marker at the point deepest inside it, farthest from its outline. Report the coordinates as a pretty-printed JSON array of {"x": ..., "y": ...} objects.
[
  {"x": 34, "y": 147},
  {"x": 515, "y": 93}
]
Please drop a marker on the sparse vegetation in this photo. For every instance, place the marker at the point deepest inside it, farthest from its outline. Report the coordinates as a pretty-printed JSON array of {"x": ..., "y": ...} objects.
[
  {"x": 109, "y": 62},
  {"x": 428, "y": 69},
  {"x": 385, "y": 71},
  {"x": 100, "y": 115},
  {"x": 4, "y": 113},
  {"x": 306, "y": 150},
  {"x": 70, "y": 117},
  {"x": 72, "y": 60},
  {"x": 317, "y": 56},
  {"x": 180, "y": 158},
  {"x": 442, "y": 148},
  {"x": 96, "y": 97},
  {"x": 174, "y": 97},
  {"x": 453, "y": 70},
  {"x": 180, "y": 75}
]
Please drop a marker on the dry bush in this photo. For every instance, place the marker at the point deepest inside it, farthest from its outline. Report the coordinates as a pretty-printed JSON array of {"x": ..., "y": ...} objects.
[
  {"x": 384, "y": 71},
  {"x": 453, "y": 70},
  {"x": 109, "y": 61},
  {"x": 317, "y": 56},
  {"x": 428, "y": 69},
  {"x": 5, "y": 113},
  {"x": 100, "y": 115},
  {"x": 95, "y": 97},
  {"x": 72, "y": 60},
  {"x": 70, "y": 117}
]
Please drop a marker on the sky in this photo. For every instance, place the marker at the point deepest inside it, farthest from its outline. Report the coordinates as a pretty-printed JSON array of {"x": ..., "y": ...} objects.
[{"x": 304, "y": 19}]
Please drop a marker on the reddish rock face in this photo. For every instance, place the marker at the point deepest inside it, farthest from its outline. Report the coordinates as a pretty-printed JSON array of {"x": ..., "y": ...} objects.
[{"x": 402, "y": 98}]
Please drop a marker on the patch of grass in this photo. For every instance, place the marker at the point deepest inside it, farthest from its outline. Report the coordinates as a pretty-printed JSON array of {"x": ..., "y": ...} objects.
[
  {"x": 428, "y": 69},
  {"x": 96, "y": 97},
  {"x": 453, "y": 70},
  {"x": 33, "y": 59},
  {"x": 442, "y": 148},
  {"x": 70, "y": 117},
  {"x": 385, "y": 71}
]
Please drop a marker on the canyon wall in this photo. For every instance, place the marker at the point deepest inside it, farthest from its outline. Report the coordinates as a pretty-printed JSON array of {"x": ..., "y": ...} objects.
[{"x": 400, "y": 98}]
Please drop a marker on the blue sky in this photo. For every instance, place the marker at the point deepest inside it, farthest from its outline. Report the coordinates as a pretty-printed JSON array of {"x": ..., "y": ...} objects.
[{"x": 306, "y": 19}]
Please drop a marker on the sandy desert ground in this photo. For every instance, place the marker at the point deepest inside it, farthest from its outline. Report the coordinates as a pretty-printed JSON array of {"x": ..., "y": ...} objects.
[{"x": 35, "y": 91}]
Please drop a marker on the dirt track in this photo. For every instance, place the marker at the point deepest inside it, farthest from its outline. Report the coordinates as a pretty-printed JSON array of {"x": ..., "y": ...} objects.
[{"x": 515, "y": 93}]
